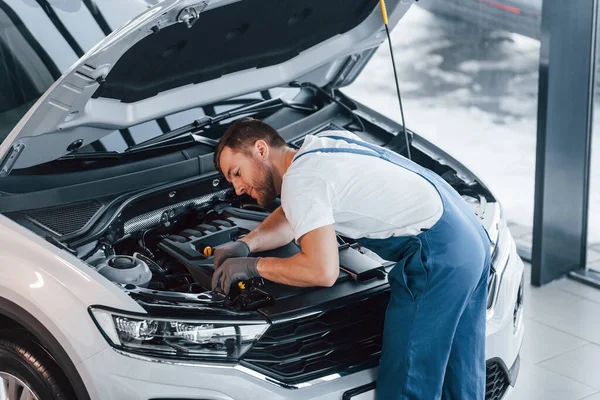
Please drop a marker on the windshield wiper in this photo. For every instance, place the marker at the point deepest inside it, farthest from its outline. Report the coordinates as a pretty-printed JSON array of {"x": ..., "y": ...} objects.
[
  {"x": 206, "y": 121},
  {"x": 115, "y": 155},
  {"x": 92, "y": 156},
  {"x": 186, "y": 134}
]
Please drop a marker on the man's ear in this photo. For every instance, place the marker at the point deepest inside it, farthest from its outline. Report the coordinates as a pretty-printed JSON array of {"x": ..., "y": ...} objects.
[{"x": 262, "y": 148}]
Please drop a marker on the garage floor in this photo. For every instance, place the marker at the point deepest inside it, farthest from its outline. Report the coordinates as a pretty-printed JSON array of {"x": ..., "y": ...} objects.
[{"x": 560, "y": 358}]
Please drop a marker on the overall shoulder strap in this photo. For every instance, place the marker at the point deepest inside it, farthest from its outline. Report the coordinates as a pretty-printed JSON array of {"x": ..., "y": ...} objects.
[
  {"x": 357, "y": 142},
  {"x": 337, "y": 150}
]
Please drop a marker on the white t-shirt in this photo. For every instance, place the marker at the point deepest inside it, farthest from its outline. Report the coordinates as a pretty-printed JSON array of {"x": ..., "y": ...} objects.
[{"x": 362, "y": 196}]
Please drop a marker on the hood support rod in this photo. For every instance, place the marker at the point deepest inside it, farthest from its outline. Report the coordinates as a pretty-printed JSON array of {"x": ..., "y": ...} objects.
[{"x": 387, "y": 30}]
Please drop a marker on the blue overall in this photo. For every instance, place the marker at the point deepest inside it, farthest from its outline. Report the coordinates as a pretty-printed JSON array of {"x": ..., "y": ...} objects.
[{"x": 434, "y": 331}]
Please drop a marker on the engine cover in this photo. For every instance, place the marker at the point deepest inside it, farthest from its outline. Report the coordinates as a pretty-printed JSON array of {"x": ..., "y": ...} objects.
[
  {"x": 190, "y": 245},
  {"x": 193, "y": 248}
]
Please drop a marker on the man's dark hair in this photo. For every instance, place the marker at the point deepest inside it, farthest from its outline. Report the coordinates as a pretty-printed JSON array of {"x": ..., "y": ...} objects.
[{"x": 243, "y": 133}]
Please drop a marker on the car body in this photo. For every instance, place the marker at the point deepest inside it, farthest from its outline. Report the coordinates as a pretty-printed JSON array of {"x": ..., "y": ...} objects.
[
  {"x": 111, "y": 204},
  {"x": 518, "y": 16}
]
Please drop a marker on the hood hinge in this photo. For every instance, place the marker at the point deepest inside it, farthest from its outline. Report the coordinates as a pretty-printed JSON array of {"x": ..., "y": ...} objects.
[
  {"x": 190, "y": 14},
  {"x": 343, "y": 73}
]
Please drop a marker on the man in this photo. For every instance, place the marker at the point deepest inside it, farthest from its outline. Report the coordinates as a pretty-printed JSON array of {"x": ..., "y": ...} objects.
[{"x": 434, "y": 333}]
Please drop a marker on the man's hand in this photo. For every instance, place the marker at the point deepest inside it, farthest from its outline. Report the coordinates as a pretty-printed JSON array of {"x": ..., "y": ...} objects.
[
  {"x": 230, "y": 250},
  {"x": 233, "y": 270}
]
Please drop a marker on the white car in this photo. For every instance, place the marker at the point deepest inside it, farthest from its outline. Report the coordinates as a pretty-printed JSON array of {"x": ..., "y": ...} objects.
[{"x": 111, "y": 206}]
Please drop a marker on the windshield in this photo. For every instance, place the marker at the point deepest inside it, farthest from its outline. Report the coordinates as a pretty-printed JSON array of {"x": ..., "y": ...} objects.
[
  {"x": 40, "y": 40},
  {"x": 131, "y": 138},
  {"x": 38, "y": 43},
  {"x": 26, "y": 70}
]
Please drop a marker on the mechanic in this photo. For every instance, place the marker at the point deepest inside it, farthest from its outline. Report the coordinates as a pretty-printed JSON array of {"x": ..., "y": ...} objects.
[{"x": 434, "y": 331}]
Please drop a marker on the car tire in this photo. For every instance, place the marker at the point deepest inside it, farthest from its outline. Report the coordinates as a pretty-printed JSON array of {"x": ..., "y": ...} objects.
[{"x": 21, "y": 357}]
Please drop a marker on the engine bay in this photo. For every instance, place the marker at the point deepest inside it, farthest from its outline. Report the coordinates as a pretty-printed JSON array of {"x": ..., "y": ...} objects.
[
  {"x": 175, "y": 255},
  {"x": 150, "y": 220}
]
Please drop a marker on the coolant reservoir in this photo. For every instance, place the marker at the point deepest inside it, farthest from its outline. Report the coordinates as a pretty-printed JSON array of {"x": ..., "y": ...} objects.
[{"x": 124, "y": 270}]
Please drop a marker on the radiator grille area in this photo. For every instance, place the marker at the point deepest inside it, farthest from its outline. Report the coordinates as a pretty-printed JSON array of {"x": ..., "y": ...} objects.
[
  {"x": 67, "y": 219},
  {"x": 321, "y": 344},
  {"x": 496, "y": 381},
  {"x": 334, "y": 341}
]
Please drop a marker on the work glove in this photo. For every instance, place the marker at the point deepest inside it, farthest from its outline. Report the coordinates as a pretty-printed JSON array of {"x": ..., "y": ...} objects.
[
  {"x": 230, "y": 250},
  {"x": 234, "y": 270}
]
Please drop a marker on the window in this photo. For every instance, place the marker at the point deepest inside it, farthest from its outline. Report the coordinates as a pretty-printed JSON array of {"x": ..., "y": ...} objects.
[
  {"x": 37, "y": 44},
  {"x": 26, "y": 70}
]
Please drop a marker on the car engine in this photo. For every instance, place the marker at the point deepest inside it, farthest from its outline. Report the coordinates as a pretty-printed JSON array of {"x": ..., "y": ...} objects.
[{"x": 175, "y": 254}]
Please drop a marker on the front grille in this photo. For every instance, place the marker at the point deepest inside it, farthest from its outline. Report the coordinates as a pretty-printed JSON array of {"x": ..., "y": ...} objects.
[
  {"x": 64, "y": 220},
  {"x": 334, "y": 341},
  {"x": 322, "y": 344},
  {"x": 496, "y": 381}
]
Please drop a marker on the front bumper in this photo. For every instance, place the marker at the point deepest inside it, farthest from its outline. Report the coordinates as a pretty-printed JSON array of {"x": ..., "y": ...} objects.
[
  {"x": 505, "y": 329},
  {"x": 120, "y": 377},
  {"x": 113, "y": 376}
]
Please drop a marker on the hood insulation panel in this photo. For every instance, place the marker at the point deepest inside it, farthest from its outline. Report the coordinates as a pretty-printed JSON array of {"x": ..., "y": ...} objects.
[{"x": 239, "y": 36}]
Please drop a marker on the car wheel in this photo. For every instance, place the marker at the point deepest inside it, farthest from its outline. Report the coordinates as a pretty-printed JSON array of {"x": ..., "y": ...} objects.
[{"x": 28, "y": 372}]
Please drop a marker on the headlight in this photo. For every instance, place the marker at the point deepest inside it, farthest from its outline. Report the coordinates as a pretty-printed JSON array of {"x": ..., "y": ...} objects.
[{"x": 180, "y": 339}]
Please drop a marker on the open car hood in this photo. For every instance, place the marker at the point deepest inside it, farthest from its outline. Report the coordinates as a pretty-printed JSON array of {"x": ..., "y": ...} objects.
[{"x": 182, "y": 54}]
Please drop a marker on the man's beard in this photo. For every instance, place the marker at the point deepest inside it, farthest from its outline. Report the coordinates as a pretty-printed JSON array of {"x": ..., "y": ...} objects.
[{"x": 264, "y": 185}]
